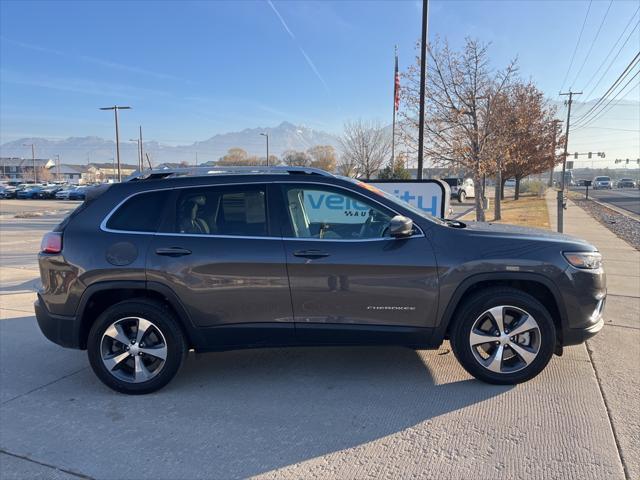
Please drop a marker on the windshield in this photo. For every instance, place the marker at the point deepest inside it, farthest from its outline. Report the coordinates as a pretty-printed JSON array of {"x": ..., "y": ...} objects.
[{"x": 602, "y": 179}]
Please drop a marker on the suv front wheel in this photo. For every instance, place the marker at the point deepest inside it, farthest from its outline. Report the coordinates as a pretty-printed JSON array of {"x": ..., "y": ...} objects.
[
  {"x": 503, "y": 336},
  {"x": 136, "y": 346}
]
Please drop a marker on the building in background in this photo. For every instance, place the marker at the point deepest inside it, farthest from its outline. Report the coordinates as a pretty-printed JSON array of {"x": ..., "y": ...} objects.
[
  {"x": 69, "y": 173},
  {"x": 106, "y": 172},
  {"x": 21, "y": 169}
]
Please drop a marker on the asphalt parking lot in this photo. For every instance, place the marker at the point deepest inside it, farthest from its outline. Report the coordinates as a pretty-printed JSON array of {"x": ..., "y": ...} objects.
[{"x": 294, "y": 413}]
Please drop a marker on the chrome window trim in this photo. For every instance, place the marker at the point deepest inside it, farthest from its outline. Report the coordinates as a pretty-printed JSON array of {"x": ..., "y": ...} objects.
[{"x": 104, "y": 228}]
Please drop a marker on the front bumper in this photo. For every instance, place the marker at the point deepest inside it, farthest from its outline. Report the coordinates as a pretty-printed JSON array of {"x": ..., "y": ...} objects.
[
  {"x": 576, "y": 336},
  {"x": 60, "y": 329}
]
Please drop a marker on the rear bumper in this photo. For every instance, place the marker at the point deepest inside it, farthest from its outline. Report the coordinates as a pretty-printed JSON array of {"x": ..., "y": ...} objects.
[{"x": 63, "y": 330}]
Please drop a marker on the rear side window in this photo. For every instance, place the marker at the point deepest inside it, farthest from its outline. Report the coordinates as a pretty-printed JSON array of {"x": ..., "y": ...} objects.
[
  {"x": 221, "y": 210},
  {"x": 141, "y": 213}
]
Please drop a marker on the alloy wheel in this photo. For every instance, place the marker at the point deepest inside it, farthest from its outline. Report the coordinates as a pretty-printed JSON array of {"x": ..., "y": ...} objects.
[
  {"x": 505, "y": 339},
  {"x": 133, "y": 349}
]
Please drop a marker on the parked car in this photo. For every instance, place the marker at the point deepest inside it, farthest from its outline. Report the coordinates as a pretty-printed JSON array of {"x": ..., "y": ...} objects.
[
  {"x": 145, "y": 270},
  {"x": 461, "y": 188},
  {"x": 30, "y": 192},
  {"x": 64, "y": 193},
  {"x": 626, "y": 183},
  {"x": 600, "y": 183},
  {"x": 77, "y": 193},
  {"x": 510, "y": 183},
  {"x": 48, "y": 192},
  {"x": 7, "y": 191}
]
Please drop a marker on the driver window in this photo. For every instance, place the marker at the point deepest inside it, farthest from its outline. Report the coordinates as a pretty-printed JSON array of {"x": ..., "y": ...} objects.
[{"x": 317, "y": 212}]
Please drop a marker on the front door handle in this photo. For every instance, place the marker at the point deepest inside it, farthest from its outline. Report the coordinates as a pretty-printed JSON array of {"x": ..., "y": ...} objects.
[
  {"x": 310, "y": 254},
  {"x": 173, "y": 251}
]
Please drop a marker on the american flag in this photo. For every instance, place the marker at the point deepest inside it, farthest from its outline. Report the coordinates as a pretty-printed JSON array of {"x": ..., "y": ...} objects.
[{"x": 396, "y": 87}]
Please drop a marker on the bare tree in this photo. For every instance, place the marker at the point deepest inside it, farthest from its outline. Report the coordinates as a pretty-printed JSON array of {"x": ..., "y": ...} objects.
[
  {"x": 347, "y": 167},
  {"x": 366, "y": 145},
  {"x": 44, "y": 174},
  {"x": 294, "y": 158},
  {"x": 458, "y": 110},
  {"x": 323, "y": 156}
]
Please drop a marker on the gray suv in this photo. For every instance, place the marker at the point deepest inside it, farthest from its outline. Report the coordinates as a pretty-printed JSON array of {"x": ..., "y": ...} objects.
[{"x": 211, "y": 260}]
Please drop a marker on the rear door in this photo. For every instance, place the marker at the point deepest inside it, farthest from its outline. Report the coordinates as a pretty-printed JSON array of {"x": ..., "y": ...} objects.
[
  {"x": 218, "y": 252},
  {"x": 350, "y": 281}
]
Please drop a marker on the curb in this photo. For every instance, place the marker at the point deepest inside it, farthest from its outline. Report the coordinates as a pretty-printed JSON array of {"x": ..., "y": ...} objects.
[{"x": 621, "y": 211}]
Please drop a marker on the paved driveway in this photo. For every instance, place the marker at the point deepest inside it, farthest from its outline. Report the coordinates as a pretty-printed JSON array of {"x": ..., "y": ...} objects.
[{"x": 286, "y": 413}]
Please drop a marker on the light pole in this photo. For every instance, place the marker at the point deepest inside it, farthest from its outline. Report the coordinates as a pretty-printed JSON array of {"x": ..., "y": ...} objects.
[
  {"x": 33, "y": 158},
  {"x": 115, "y": 109},
  {"x": 139, "y": 157},
  {"x": 267, "y": 137},
  {"x": 423, "y": 79}
]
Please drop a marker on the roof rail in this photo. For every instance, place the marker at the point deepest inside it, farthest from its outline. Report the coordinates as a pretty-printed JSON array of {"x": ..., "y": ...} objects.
[{"x": 224, "y": 170}]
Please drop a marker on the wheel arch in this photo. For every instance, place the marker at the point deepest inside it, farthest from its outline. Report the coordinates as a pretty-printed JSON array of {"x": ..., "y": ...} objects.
[
  {"x": 98, "y": 297},
  {"x": 538, "y": 286}
]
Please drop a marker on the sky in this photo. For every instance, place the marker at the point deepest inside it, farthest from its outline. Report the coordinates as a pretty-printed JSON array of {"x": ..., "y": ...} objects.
[{"x": 190, "y": 70}]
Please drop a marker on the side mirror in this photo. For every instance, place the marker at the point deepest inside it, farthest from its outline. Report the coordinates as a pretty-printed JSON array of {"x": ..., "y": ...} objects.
[{"x": 400, "y": 226}]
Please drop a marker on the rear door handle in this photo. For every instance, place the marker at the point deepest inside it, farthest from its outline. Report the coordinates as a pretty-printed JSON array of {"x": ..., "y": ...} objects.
[
  {"x": 310, "y": 254},
  {"x": 173, "y": 251}
]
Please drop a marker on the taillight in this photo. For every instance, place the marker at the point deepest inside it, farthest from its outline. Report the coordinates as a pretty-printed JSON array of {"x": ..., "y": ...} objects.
[{"x": 51, "y": 243}]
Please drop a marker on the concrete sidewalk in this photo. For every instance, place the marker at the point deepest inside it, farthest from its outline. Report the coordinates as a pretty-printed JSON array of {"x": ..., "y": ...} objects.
[{"x": 615, "y": 352}]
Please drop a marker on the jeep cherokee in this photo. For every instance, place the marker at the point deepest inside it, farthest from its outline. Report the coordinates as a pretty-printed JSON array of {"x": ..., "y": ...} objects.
[{"x": 213, "y": 260}]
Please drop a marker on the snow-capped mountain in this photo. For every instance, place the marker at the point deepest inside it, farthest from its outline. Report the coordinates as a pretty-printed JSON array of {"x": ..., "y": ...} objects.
[{"x": 82, "y": 150}]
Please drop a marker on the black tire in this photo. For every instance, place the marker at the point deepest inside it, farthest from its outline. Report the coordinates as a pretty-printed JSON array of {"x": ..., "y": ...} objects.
[
  {"x": 163, "y": 320},
  {"x": 462, "y": 196},
  {"x": 484, "y": 300}
]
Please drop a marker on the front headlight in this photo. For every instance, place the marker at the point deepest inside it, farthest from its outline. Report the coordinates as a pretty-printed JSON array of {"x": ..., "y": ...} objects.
[{"x": 586, "y": 260}]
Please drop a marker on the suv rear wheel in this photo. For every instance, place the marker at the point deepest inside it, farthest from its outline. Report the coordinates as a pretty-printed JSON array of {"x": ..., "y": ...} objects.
[
  {"x": 503, "y": 336},
  {"x": 136, "y": 346}
]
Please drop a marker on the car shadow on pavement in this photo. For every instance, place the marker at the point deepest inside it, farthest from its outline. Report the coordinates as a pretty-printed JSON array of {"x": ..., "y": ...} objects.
[
  {"x": 271, "y": 408},
  {"x": 228, "y": 414},
  {"x": 26, "y": 286}
]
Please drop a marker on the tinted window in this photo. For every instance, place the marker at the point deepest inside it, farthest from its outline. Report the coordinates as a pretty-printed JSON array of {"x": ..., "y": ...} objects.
[
  {"x": 141, "y": 213},
  {"x": 320, "y": 212},
  {"x": 237, "y": 210}
]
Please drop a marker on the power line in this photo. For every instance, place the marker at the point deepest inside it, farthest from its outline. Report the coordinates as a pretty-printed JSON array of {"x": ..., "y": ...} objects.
[
  {"x": 602, "y": 110},
  {"x": 615, "y": 83},
  {"x": 612, "y": 60},
  {"x": 573, "y": 56},
  {"x": 624, "y": 30},
  {"x": 592, "y": 43}
]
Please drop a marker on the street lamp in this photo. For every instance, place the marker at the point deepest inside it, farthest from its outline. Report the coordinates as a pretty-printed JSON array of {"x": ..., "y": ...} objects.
[
  {"x": 115, "y": 109},
  {"x": 33, "y": 157},
  {"x": 266, "y": 135}
]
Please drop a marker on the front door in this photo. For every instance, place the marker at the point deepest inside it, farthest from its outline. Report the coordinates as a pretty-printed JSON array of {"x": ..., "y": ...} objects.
[
  {"x": 349, "y": 279},
  {"x": 217, "y": 252}
]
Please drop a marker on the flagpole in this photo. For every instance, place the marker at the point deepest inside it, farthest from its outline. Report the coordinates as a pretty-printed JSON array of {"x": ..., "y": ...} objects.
[{"x": 395, "y": 97}]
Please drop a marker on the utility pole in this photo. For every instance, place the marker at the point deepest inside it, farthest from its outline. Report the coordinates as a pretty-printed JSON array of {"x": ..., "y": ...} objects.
[
  {"x": 554, "y": 126},
  {"x": 33, "y": 158},
  {"x": 141, "y": 151},
  {"x": 267, "y": 136},
  {"x": 138, "y": 152},
  {"x": 115, "y": 109},
  {"x": 423, "y": 79},
  {"x": 58, "y": 167},
  {"x": 564, "y": 162}
]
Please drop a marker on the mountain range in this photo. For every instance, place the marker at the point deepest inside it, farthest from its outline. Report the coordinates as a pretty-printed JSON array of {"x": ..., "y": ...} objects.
[{"x": 82, "y": 150}]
